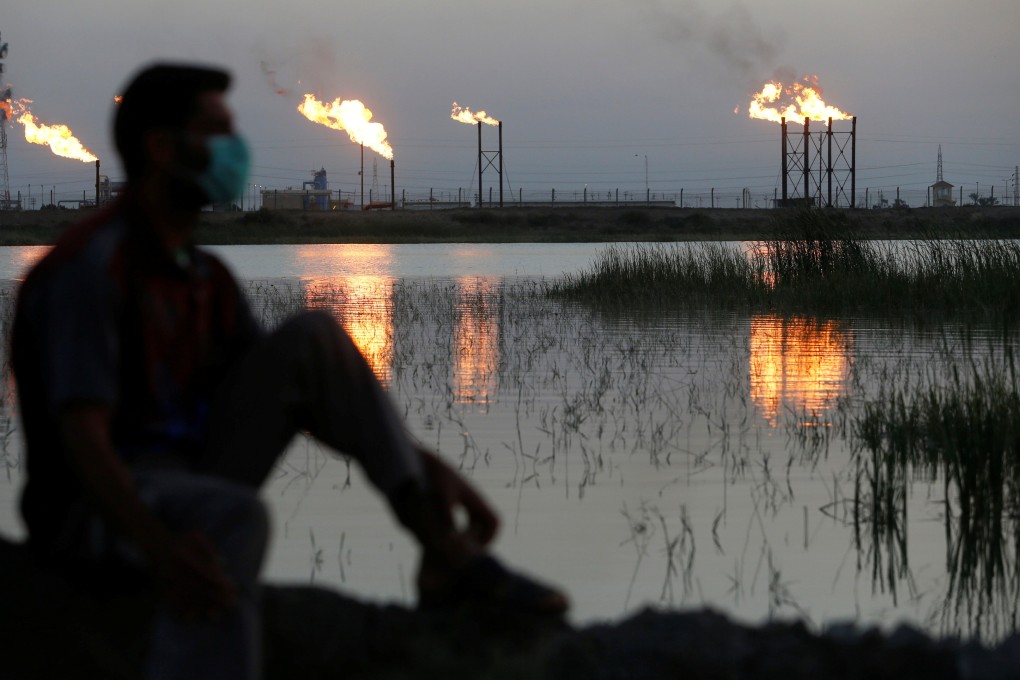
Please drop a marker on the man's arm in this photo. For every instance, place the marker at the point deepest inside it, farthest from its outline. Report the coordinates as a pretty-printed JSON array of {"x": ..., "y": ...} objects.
[{"x": 185, "y": 566}]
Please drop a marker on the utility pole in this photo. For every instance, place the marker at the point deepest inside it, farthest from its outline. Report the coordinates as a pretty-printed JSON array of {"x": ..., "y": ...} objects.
[{"x": 5, "y": 114}]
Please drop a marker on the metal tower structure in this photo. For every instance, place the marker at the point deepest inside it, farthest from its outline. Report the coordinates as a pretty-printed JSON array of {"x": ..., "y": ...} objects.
[
  {"x": 817, "y": 169},
  {"x": 938, "y": 173},
  {"x": 5, "y": 115},
  {"x": 490, "y": 159},
  {"x": 795, "y": 162}
]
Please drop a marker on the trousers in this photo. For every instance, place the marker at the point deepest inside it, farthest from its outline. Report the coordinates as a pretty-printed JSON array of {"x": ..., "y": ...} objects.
[{"x": 307, "y": 375}]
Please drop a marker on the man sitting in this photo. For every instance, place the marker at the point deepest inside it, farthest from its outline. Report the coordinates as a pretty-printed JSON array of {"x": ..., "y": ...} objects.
[{"x": 154, "y": 406}]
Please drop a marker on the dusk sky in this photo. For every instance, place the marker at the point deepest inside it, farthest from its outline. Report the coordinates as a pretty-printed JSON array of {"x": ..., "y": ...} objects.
[{"x": 586, "y": 90}]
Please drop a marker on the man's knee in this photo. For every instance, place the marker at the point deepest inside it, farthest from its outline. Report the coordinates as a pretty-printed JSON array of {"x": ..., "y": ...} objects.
[
  {"x": 250, "y": 512},
  {"x": 241, "y": 533},
  {"x": 229, "y": 514},
  {"x": 317, "y": 335}
]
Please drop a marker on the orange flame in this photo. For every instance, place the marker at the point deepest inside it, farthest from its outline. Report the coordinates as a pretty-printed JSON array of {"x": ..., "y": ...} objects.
[
  {"x": 117, "y": 99},
  {"x": 350, "y": 116},
  {"x": 59, "y": 138},
  {"x": 5, "y": 109},
  {"x": 464, "y": 115},
  {"x": 795, "y": 103}
]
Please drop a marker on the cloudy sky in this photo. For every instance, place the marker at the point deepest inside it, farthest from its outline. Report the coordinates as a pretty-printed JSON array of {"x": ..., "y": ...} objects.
[{"x": 587, "y": 90}]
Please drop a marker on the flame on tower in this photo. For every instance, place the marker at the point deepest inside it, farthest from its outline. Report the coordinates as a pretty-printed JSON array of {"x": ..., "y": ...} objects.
[
  {"x": 800, "y": 100},
  {"x": 58, "y": 137},
  {"x": 350, "y": 116},
  {"x": 464, "y": 115}
]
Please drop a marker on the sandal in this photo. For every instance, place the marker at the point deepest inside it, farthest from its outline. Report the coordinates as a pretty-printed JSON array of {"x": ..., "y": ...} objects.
[{"x": 485, "y": 581}]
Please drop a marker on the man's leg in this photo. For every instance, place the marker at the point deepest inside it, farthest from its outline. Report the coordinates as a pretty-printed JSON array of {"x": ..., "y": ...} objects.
[{"x": 307, "y": 375}]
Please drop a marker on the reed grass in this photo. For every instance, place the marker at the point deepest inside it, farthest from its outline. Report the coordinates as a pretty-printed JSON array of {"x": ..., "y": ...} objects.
[
  {"x": 665, "y": 274},
  {"x": 966, "y": 433},
  {"x": 814, "y": 264}
]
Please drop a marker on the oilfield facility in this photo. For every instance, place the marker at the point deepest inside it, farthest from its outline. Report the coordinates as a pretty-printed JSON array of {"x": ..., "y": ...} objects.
[
  {"x": 817, "y": 168},
  {"x": 816, "y": 162}
]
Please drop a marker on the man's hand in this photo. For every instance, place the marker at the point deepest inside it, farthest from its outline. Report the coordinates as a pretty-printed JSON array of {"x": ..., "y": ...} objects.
[
  {"x": 450, "y": 519},
  {"x": 455, "y": 567},
  {"x": 185, "y": 566},
  {"x": 454, "y": 492}
]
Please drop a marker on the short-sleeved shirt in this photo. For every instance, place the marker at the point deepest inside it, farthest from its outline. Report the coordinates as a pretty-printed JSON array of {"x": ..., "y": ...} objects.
[{"x": 110, "y": 317}]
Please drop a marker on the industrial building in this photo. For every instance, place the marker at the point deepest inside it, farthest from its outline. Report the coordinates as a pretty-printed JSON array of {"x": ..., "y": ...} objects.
[{"x": 313, "y": 195}]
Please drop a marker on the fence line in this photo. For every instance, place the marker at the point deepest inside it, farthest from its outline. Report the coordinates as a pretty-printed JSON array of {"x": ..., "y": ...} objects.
[
  {"x": 444, "y": 198},
  {"x": 440, "y": 198}
]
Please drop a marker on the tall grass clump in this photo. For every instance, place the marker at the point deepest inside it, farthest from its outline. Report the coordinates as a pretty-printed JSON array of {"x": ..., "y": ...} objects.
[
  {"x": 964, "y": 273},
  {"x": 965, "y": 435},
  {"x": 813, "y": 263},
  {"x": 665, "y": 274},
  {"x": 812, "y": 246},
  {"x": 966, "y": 279},
  {"x": 811, "y": 257}
]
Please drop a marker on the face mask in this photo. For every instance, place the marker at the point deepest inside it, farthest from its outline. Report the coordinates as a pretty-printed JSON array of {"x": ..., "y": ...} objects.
[{"x": 224, "y": 177}]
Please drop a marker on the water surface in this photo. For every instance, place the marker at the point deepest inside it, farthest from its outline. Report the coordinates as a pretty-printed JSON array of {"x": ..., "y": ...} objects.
[{"x": 681, "y": 458}]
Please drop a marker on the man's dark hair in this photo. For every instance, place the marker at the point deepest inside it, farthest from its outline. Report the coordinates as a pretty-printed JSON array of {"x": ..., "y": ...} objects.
[{"x": 159, "y": 96}]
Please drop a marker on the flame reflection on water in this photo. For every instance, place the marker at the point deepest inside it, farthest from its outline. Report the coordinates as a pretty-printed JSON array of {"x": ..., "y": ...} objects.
[
  {"x": 363, "y": 305},
  {"x": 798, "y": 364},
  {"x": 476, "y": 340}
]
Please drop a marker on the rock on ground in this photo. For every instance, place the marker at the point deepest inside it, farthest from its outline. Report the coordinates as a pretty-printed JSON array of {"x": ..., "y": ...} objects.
[{"x": 50, "y": 629}]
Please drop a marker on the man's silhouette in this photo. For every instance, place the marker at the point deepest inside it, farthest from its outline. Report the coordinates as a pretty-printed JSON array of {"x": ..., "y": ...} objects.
[{"x": 154, "y": 406}]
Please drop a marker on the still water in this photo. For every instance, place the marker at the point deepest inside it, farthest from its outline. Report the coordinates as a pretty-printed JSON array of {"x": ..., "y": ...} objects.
[{"x": 675, "y": 459}]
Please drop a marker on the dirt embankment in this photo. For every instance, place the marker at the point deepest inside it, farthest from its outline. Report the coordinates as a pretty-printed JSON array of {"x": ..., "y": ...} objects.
[
  {"x": 542, "y": 224},
  {"x": 51, "y": 629}
]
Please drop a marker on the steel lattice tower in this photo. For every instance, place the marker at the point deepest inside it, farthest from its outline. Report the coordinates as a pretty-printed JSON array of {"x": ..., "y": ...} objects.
[
  {"x": 827, "y": 162},
  {"x": 5, "y": 113},
  {"x": 938, "y": 173},
  {"x": 490, "y": 159}
]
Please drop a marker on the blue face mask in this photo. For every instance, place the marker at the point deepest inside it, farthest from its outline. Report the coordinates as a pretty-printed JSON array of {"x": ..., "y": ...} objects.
[{"x": 224, "y": 178}]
